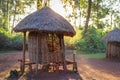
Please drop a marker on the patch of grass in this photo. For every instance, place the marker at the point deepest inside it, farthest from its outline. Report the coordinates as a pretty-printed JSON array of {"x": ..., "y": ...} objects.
[
  {"x": 3, "y": 51},
  {"x": 6, "y": 51},
  {"x": 96, "y": 55},
  {"x": 93, "y": 55}
]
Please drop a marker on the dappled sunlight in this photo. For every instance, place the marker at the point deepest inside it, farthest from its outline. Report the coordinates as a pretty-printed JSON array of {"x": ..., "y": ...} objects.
[
  {"x": 88, "y": 69},
  {"x": 61, "y": 75},
  {"x": 6, "y": 70},
  {"x": 8, "y": 62},
  {"x": 95, "y": 69},
  {"x": 91, "y": 73},
  {"x": 56, "y": 36}
]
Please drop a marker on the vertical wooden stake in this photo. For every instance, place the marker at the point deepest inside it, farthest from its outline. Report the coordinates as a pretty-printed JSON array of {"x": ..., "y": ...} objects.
[
  {"x": 63, "y": 51},
  {"x": 24, "y": 48},
  {"x": 37, "y": 54},
  {"x": 74, "y": 56},
  {"x": 74, "y": 62}
]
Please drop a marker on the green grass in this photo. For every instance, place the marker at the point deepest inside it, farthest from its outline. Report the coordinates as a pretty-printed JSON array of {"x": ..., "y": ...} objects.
[
  {"x": 93, "y": 55},
  {"x": 2, "y": 52},
  {"x": 96, "y": 55},
  {"x": 5, "y": 51}
]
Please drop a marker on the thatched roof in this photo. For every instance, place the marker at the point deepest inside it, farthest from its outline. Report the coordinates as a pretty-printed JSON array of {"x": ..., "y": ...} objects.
[
  {"x": 45, "y": 20},
  {"x": 113, "y": 36}
]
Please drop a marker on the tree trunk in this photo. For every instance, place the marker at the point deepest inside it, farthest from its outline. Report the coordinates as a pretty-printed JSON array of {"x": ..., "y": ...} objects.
[
  {"x": 88, "y": 15},
  {"x": 14, "y": 18},
  {"x": 43, "y": 3},
  {"x": 39, "y": 4},
  {"x": 97, "y": 13},
  {"x": 8, "y": 27},
  {"x": 111, "y": 19},
  {"x": 80, "y": 17}
]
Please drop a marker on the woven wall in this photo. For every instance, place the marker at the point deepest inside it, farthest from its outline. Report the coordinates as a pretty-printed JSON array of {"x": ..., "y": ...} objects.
[
  {"x": 47, "y": 45},
  {"x": 113, "y": 50}
]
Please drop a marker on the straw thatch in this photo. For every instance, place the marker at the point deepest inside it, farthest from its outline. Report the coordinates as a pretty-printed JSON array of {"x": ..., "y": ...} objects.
[
  {"x": 46, "y": 37},
  {"x": 45, "y": 20},
  {"x": 113, "y": 36},
  {"x": 113, "y": 44}
]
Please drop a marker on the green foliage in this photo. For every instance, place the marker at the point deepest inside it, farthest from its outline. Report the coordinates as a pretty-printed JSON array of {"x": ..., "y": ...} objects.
[
  {"x": 92, "y": 42},
  {"x": 3, "y": 40},
  {"x": 16, "y": 42},
  {"x": 9, "y": 42},
  {"x": 70, "y": 42},
  {"x": 10, "y": 9}
]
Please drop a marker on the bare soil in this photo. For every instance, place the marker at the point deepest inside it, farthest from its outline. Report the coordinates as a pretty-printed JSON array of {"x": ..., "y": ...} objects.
[{"x": 88, "y": 69}]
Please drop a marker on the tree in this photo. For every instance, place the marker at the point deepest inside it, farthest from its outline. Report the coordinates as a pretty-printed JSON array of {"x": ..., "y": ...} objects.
[
  {"x": 42, "y": 3},
  {"x": 39, "y": 4},
  {"x": 74, "y": 5},
  {"x": 98, "y": 12},
  {"x": 113, "y": 11},
  {"x": 88, "y": 15},
  {"x": 9, "y": 9}
]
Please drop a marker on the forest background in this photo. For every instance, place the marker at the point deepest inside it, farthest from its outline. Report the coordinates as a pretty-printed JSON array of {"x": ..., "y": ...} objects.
[{"x": 91, "y": 19}]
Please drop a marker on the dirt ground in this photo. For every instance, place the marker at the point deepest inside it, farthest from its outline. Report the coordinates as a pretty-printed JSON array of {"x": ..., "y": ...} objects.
[{"x": 88, "y": 69}]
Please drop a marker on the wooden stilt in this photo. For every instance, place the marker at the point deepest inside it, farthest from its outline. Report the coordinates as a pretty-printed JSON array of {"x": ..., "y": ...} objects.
[
  {"x": 63, "y": 52},
  {"x": 24, "y": 48},
  {"x": 74, "y": 62},
  {"x": 37, "y": 54},
  {"x": 74, "y": 56}
]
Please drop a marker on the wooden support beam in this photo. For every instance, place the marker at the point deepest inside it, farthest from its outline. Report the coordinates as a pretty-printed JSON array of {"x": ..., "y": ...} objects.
[
  {"x": 63, "y": 51},
  {"x": 37, "y": 48},
  {"x": 74, "y": 62},
  {"x": 24, "y": 48},
  {"x": 74, "y": 53}
]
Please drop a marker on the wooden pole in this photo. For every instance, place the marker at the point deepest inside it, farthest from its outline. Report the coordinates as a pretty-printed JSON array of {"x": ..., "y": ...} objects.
[
  {"x": 24, "y": 48},
  {"x": 74, "y": 53},
  {"x": 74, "y": 62},
  {"x": 52, "y": 44},
  {"x": 37, "y": 54},
  {"x": 63, "y": 52}
]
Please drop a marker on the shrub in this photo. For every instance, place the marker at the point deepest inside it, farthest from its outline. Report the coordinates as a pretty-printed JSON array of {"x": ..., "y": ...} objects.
[
  {"x": 9, "y": 42},
  {"x": 70, "y": 42},
  {"x": 17, "y": 42},
  {"x": 3, "y": 40},
  {"x": 92, "y": 41}
]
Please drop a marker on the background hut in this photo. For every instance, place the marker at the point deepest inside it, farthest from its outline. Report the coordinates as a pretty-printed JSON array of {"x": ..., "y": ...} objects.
[
  {"x": 46, "y": 36},
  {"x": 113, "y": 43}
]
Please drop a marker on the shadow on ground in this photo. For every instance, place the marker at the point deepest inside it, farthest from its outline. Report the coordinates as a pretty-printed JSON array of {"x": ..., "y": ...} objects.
[{"x": 61, "y": 75}]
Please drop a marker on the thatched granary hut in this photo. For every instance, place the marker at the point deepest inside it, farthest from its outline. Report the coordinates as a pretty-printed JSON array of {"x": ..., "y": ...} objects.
[
  {"x": 113, "y": 43},
  {"x": 46, "y": 37}
]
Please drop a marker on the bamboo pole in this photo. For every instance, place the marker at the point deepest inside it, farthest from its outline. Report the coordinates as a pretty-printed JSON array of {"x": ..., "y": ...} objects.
[
  {"x": 24, "y": 48},
  {"x": 37, "y": 54}
]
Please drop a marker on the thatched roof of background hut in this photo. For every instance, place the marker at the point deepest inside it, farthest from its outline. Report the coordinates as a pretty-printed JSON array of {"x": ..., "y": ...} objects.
[
  {"x": 45, "y": 20},
  {"x": 113, "y": 36}
]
